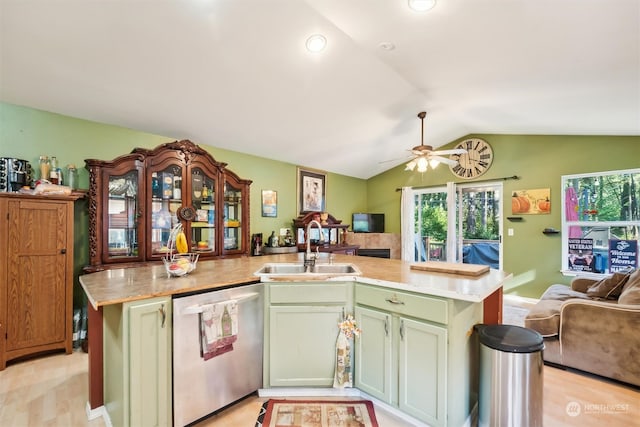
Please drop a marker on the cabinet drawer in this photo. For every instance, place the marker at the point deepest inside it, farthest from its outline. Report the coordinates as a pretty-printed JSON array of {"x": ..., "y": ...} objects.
[
  {"x": 409, "y": 304},
  {"x": 309, "y": 292}
]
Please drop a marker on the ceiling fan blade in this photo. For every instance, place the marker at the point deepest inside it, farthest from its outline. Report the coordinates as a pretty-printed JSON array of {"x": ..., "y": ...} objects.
[
  {"x": 443, "y": 160},
  {"x": 447, "y": 152},
  {"x": 396, "y": 159}
]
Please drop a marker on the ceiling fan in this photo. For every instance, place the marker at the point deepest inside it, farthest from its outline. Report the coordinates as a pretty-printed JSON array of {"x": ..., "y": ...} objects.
[{"x": 425, "y": 155}]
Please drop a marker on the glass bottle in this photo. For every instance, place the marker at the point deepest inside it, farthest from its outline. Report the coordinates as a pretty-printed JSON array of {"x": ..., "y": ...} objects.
[
  {"x": 53, "y": 171},
  {"x": 61, "y": 180},
  {"x": 155, "y": 186},
  {"x": 72, "y": 176},
  {"x": 177, "y": 187},
  {"x": 45, "y": 167},
  {"x": 205, "y": 193}
]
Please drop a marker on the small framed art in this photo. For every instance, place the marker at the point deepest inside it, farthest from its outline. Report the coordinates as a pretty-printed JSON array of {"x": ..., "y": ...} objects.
[{"x": 269, "y": 203}]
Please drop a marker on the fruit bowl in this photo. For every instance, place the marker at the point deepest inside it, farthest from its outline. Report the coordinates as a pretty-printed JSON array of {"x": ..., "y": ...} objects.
[{"x": 180, "y": 264}]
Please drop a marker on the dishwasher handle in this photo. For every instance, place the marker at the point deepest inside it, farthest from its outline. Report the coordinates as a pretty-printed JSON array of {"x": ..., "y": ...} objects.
[{"x": 196, "y": 309}]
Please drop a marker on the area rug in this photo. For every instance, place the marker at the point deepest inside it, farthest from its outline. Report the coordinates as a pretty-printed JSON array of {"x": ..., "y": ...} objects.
[{"x": 317, "y": 413}]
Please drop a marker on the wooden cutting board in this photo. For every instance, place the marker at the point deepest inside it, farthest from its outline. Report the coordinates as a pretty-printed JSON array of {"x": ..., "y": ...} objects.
[{"x": 451, "y": 267}]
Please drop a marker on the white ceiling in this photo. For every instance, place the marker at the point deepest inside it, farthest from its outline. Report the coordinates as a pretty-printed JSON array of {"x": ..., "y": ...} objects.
[{"x": 234, "y": 73}]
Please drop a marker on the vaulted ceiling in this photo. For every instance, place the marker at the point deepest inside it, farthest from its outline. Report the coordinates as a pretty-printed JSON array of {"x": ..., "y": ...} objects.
[{"x": 235, "y": 74}]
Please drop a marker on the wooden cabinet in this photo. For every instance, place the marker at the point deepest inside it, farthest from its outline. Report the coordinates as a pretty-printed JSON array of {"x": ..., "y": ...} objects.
[
  {"x": 137, "y": 373},
  {"x": 36, "y": 274},
  {"x": 136, "y": 199},
  {"x": 301, "y": 332},
  {"x": 401, "y": 356},
  {"x": 333, "y": 234}
]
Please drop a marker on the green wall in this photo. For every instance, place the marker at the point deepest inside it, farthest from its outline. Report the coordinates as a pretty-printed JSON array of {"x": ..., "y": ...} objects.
[
  {"x": 539, "y": 161},
  {"x": 532, "y": 257},
  {"x": 28, "y": 133}
]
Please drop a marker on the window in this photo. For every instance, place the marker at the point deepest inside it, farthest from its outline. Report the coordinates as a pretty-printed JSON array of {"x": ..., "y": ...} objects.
[{"x": 601, "y": 221}]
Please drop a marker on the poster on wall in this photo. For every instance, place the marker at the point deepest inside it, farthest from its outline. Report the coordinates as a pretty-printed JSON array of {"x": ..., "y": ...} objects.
[
  {"x": 581, "y": 255},
  {"x": 623, "y": 254},
  {"x": 531, "y": 202}
]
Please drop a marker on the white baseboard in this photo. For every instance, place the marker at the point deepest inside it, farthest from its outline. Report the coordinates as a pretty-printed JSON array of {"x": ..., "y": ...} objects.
[
  {"x": 519, "y": 299},
  {"x": 99, "y": 412},
  {"x": 308, "y": 392}
]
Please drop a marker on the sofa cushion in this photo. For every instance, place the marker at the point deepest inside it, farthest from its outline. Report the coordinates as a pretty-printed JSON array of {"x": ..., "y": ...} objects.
[
  {"x": 608, "y": 288},
  {"x": 544, "y": 317},
  {"x": 562, "y": 293},
  {"x": 631, "y": 290},
  {"x": 634, "y": 280},
  {"x": 581, "y": 283}
]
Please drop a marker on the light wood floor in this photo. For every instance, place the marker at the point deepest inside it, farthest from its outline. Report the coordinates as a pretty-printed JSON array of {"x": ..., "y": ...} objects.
[{"x": 52, "y": 391}]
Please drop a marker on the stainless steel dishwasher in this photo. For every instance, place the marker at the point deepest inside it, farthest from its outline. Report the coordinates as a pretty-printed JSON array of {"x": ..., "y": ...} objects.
[{"x": 201, "y": 386}]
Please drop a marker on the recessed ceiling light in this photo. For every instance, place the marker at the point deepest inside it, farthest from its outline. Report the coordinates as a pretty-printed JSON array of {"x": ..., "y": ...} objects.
[
  {"x": 422, "y": 5},
  {"x": 316, "y": 43}
]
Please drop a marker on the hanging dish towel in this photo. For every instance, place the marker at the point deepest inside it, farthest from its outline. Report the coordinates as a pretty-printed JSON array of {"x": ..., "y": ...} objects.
[
  {"x": 342, "y": 377},
  {"x": 218, "y": 328}
]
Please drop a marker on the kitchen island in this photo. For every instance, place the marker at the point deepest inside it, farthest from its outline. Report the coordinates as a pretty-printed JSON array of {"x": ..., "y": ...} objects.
[{"x": 117, "y": 287}]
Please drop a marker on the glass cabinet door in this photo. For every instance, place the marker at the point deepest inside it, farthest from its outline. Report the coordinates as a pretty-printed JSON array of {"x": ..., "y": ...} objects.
[
  {"x": 203, "y": 197},
  {"x": 232, "y": 217},
  {"x": 166, "y": 199},
  {"x": 123, "y": 209}
]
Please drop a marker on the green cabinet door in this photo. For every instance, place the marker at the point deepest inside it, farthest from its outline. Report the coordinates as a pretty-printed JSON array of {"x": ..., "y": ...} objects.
[
  {"x": 150, "y": 362},
  {"x": 302, "y": 345},
  {"x": 422, "y": 368},
  {"x": 373, "y": 371}
]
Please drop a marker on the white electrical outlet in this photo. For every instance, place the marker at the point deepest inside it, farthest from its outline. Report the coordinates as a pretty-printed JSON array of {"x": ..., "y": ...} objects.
[{"x": 510, "y": 231}]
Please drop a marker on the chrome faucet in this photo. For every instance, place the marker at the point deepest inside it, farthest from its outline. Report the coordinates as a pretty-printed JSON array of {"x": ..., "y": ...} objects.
[{"x": 309, "y": 258}]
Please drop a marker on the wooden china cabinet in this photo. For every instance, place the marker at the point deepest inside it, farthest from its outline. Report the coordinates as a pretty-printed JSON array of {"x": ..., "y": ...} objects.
[
  {"x": 333, "y": 234},
  {"x": 137, "y": 198}
]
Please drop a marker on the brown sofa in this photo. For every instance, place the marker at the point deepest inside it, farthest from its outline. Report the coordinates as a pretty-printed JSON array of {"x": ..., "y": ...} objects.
[{"x": 593, "y": 326}]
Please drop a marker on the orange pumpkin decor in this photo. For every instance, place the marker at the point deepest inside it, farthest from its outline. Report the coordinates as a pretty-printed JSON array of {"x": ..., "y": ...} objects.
[
  {"x": 532, "y": 201},
  {"x": 544, "y": 205},
  {"x": 519, "y": 204}
]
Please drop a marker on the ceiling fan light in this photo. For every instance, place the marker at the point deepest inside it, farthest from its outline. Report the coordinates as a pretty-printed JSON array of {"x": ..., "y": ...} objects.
[
  {"x": 433, "y": 163},
  {"x": 421, "y": 5},
  {"x": 410, "y": 166},
  {"x": 422, "y": 164}
]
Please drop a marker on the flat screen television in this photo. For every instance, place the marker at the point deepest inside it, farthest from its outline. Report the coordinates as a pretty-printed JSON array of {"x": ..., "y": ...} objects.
[{"x": 367, "y": 223}]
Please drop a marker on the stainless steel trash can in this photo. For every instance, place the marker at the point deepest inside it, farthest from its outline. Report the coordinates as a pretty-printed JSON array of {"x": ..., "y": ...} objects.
[{"x": 510, "y": 383}]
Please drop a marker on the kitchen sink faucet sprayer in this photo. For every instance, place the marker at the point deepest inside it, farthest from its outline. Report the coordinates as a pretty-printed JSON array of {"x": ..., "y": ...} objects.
[{"x": 309, "y": 258}]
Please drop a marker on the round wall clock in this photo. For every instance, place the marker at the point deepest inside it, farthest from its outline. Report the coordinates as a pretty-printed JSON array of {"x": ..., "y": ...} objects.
[{"x": 476, "y": 161}]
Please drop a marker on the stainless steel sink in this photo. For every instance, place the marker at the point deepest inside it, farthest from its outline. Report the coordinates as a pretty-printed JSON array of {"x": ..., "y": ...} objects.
[{"x": 290, "y": 269}]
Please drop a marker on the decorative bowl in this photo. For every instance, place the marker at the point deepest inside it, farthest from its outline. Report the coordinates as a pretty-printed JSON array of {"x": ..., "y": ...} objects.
[{"x": 180, "y": 264}]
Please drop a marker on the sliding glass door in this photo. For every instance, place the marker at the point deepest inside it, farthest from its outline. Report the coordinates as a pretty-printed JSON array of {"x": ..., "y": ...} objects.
[
  {"x": 458, "y": 223},
  {"x": 479, "y": 224},
  {"x": 431, "y": 219}
]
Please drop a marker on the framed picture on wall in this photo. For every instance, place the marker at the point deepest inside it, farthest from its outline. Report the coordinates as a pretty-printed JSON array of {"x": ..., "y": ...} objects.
[
  {"x": 269, "y": 203},
  {"x": 312, "y": 190}
]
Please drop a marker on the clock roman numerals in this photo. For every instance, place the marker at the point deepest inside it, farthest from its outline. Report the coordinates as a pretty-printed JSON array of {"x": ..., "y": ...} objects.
[{"x": 476, "y": 161}]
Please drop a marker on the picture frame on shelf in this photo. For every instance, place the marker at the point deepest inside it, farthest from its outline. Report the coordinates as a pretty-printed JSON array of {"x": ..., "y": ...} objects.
[
  {"x": 311, "y": 190},
  {"x": 269, "y": 203}
]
